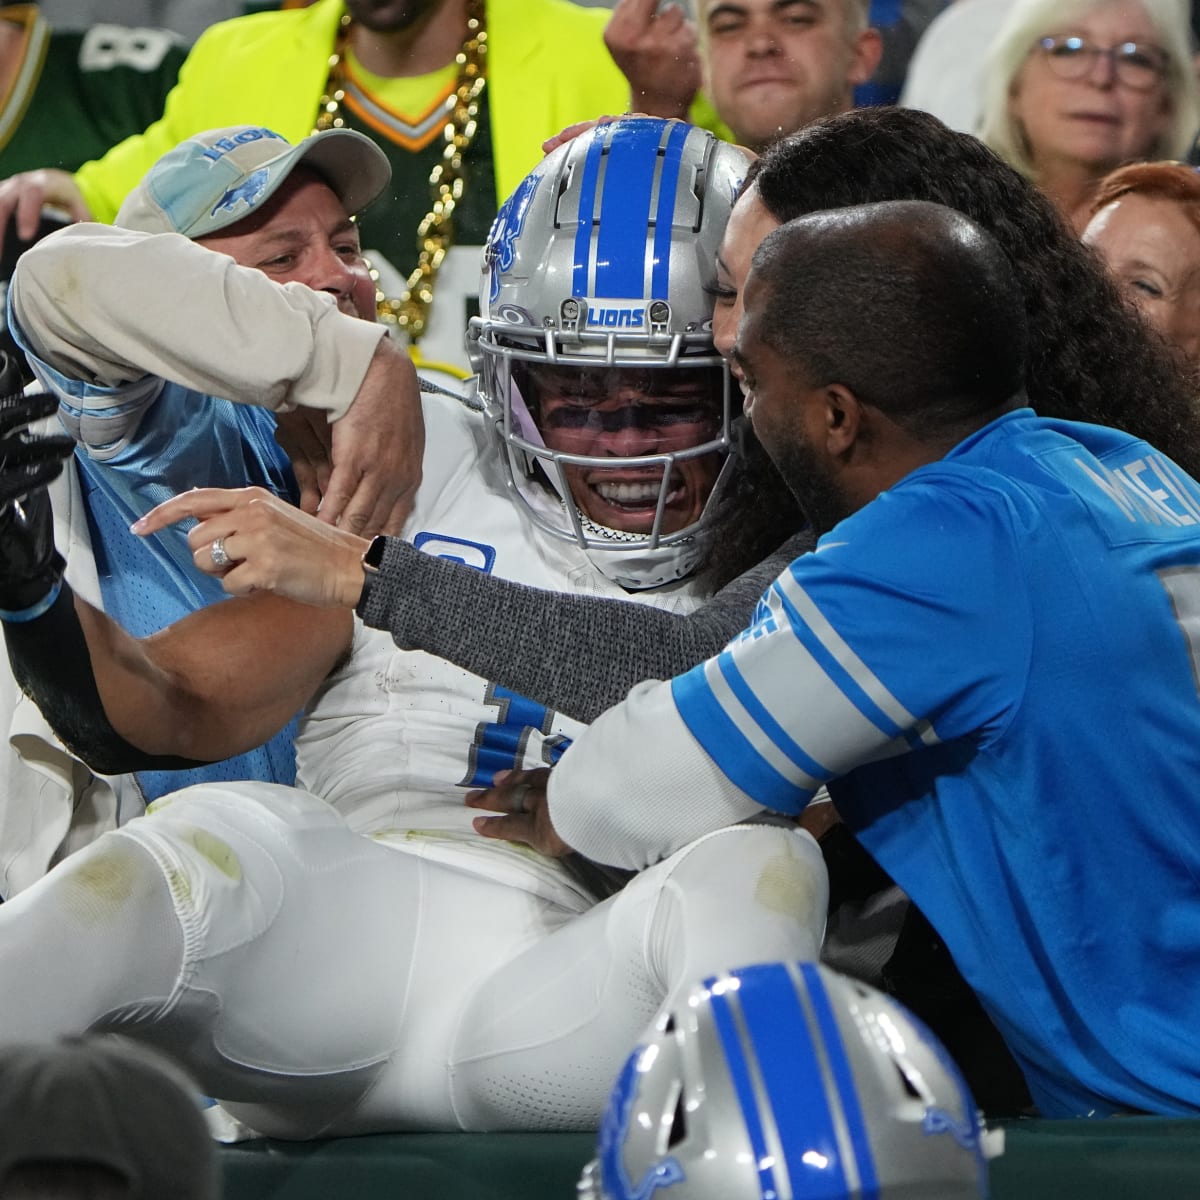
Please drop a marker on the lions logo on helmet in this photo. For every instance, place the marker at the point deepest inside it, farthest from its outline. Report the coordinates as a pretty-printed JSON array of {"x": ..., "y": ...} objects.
[
  {"x": 786, "y": 1081},
  {"x": 613, "y": 1131},
  {"x": 602, "y": 264},
  {"x": 500, "y": 253}
]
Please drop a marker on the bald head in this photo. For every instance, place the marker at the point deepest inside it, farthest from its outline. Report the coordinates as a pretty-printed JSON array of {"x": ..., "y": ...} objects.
[{"x": 909, "y": 305}]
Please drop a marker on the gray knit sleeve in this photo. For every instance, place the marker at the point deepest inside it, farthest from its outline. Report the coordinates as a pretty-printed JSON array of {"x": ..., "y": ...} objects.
[{"x": 577, "y": 654}]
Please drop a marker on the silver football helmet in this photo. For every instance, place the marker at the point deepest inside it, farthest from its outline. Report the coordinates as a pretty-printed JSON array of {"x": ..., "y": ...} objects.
[
  {"x": 594, "y": 342},
  {"x": 788, "y": 1080}
]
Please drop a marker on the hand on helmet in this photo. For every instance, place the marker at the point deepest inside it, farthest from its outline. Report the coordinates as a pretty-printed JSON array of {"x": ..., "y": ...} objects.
[{"x": 30, "y": 567}]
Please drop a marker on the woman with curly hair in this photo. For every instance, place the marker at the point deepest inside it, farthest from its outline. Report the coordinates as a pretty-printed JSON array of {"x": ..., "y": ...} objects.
[{"x": 1090, "y": 356}]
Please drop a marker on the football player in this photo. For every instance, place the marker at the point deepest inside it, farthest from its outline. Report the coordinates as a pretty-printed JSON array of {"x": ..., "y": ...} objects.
[{"x": 348, "y": 955}]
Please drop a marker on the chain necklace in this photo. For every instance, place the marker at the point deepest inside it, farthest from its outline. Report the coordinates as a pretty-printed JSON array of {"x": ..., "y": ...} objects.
[{"x": 409, "y": 312}]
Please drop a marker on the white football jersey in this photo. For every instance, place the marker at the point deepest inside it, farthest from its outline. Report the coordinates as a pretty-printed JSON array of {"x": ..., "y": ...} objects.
[{"x": 395, "y": 738}]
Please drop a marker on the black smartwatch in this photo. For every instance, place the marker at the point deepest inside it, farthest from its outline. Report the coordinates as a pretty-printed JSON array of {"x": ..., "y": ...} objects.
[
  {"x": 373, "y": 554},
  {"x": 371, "y": 559}
]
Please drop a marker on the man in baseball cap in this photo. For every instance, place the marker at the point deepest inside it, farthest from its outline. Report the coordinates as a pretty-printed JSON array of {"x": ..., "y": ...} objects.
[
  {"x": 146, "y": 335},
  {"x": 101, "y": 1111},
  {"x": 215, "y": 179},
  {"x": 77, "y": 302}
]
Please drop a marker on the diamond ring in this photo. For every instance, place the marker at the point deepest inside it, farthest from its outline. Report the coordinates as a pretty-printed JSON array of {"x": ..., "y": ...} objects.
[{"x": 218, "y": 553}]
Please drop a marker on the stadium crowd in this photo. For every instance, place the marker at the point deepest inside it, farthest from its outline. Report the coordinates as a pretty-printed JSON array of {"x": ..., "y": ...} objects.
[{"x": 657, "y": 575}]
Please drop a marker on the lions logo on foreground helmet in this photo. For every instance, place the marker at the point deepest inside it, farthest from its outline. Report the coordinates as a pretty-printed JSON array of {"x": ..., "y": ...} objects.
[
  {"x": 788, "y": 1080},
  {"x": 594, "y": 344}
]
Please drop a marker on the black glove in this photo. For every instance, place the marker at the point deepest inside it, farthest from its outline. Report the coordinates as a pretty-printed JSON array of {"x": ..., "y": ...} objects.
[{"x": 30, "y": 567}]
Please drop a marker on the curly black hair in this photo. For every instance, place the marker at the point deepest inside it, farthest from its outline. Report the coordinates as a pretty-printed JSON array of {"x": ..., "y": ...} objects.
[{"x": 1091, "y": 357}]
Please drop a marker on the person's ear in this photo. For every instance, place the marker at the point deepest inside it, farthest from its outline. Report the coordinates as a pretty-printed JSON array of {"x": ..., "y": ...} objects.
[
  {"x": 865, "y": 52},
  {"x": 843, "y": 416}
]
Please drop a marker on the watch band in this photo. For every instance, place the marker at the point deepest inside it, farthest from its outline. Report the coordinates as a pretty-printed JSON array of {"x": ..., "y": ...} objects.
[
  {"x": 371, "y": 560},
  {"x": 373, "y": 554}
]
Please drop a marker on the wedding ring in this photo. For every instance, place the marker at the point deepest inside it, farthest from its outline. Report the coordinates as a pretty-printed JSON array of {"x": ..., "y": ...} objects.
[
  {"x": 519, "y": 797},
  {"x": 218, "y": 554}
]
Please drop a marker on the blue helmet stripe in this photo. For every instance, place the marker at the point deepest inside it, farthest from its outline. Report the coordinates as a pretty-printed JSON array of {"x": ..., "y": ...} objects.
[
  {"x": 625, "y": 210},
  {"x": 587, "y": 214},
  {"x": 664, "y": 219},
  {"x": 735, "y": 1059},
  {"x": 783, "y": 1044},
  {"x": 844, "y": 1079}
]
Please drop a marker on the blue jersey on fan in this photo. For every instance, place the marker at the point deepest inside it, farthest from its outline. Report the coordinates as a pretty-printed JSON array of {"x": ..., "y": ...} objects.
[
  {"x": 141, "y": 444},
  {"x": 994, "y": 664}
]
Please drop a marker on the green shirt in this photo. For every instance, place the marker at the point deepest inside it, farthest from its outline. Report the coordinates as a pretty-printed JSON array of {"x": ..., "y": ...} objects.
[{"x": 76, "y": 94}]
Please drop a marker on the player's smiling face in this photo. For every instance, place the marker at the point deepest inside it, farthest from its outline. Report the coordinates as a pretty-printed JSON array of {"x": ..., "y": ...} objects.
[{"x": 628, "y": 413}]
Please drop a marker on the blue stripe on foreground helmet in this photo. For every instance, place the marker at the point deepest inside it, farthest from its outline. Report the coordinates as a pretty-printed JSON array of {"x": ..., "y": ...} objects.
[{"x": 788, "y": 1082}]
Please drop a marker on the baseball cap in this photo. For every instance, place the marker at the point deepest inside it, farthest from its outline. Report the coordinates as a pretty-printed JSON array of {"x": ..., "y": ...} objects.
[
  {"x": 216, "y": 178},
  {"x": 108, "y": 1102}
]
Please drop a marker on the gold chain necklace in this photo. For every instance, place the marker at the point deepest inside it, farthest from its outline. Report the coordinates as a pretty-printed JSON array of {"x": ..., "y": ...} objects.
[{"x": 409, "y": 312}]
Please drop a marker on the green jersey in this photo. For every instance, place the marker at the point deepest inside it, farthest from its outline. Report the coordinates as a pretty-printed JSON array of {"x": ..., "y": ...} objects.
[{"x": 75, "y": 94}]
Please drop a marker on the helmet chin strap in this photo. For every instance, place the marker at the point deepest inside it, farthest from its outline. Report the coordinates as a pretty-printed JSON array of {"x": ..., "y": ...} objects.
[{"x": 636, "y": 570}]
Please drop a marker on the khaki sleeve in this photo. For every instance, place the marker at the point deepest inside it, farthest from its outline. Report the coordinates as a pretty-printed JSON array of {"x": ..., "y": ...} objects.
[{"x": 108, "y": 306}]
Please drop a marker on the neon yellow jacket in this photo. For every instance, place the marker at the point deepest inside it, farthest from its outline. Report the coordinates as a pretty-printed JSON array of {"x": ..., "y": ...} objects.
[{"x": 547, "y": 68}]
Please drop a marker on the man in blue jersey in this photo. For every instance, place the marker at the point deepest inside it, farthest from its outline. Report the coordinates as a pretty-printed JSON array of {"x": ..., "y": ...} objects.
[
  {"x": 289, "y": 327},
  {"x": 991, "y": 659}
]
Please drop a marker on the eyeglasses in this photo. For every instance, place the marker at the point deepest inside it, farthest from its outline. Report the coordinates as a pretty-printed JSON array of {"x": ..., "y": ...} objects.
[{"x": 1135, "y": 65}]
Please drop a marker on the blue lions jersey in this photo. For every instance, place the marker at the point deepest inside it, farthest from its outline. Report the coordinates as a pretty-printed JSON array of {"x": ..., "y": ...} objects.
[
  {"x": 995, "y": 666},
  {"x": 138, "y": 445}
]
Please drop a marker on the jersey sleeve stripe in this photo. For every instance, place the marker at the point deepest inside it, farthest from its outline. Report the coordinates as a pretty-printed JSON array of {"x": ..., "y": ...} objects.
[
  {"x": 806, "y": 611},
  {"x": 849, "y": 696},
  {"x": 753, "y": 716},
  {"x": 804, "y": 702},
  {"x": 725, "y": 740}
]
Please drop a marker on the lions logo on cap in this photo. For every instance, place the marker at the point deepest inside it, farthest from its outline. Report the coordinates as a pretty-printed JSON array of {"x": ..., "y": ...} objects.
[{"x": 248, "y": 191}]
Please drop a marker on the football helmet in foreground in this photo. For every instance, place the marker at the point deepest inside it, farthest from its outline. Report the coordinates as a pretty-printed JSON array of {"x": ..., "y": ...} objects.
[{"x": 789, "y": 1081}]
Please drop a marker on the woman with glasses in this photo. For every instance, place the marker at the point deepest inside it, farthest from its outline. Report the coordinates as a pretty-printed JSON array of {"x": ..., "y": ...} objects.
[{"x": 1074, "y": 89}]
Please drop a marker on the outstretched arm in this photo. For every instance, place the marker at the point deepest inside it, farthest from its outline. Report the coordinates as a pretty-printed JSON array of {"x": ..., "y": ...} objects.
[
  {"x": 577, "y": 654},
  {"x": 216, "y": 684},
  {"x": 598, "y": 650}
]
